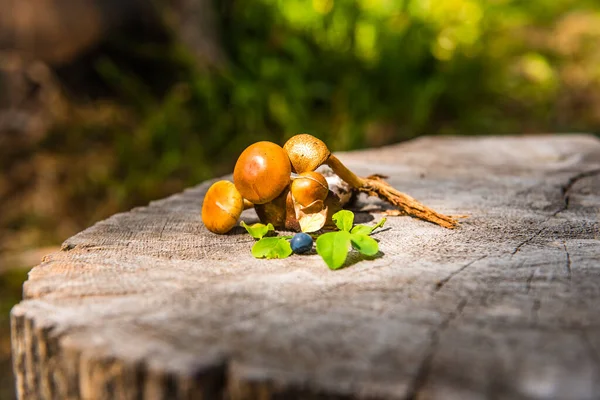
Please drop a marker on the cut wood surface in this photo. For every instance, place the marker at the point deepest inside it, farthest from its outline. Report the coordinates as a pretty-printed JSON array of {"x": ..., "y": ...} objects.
[{"x": 150, "y": 305}]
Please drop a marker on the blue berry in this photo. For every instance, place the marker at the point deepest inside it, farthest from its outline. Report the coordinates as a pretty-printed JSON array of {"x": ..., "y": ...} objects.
[{"x": 301, "y": 243}]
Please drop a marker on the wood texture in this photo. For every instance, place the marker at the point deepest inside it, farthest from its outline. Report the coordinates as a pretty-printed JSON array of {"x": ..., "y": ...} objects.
[{"x": 149, "y": 305}]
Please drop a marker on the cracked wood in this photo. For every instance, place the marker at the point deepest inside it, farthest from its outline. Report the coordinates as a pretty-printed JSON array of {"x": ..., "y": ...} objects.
[{"x": 149, "y": 305}]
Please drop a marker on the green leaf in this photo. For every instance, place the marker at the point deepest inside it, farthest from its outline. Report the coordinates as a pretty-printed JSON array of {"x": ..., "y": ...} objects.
[
  {"x": 333, "y": 247},
  {"x": 361, "y": 230},
  {"x": 343, "y": 220},
  {"x": 365, "y": 244},
  {"x": 367, "y": 230},
  {"x": 258, "y": 231},
  {"x": 272, "y": 247},
  {"x": 380, "y": 224}
]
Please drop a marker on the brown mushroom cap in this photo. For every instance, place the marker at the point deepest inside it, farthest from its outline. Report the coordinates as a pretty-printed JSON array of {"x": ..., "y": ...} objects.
[
  {"x": 262, "y": 172},
  {"x": 309, "y": 187},
  {"x": 222, "y": 207},
  {"x": 306, "y": 152}
]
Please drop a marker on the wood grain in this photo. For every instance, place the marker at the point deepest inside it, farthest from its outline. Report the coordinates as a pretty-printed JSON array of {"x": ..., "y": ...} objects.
[{"x": 149, "y": 305}]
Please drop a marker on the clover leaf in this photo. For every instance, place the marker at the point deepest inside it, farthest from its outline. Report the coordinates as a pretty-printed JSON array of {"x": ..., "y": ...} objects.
[
  {"x": 365, "y": 244},
  {"x": 333, "y": 246},
  {"x": 258, "y": 231},
  {"x": 343, "y": 220},
  {"x": 272, "y": 247},
  {"x": 366, "y": 229}
]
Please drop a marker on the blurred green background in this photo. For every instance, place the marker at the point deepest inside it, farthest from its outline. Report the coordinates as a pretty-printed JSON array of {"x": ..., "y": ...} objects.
[{"x": 145, "y": 120}]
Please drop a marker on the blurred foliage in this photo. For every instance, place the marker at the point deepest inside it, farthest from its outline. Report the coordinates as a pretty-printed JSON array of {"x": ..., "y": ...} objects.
[{"x": 355, "y": 73}]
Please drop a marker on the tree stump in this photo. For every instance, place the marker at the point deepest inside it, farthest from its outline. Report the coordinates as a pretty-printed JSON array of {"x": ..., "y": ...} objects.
[{"x": 149, "y": 305}]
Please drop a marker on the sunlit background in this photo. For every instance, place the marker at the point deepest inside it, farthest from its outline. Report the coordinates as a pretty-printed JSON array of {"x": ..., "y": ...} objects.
[{"x": 102, "y": 116}]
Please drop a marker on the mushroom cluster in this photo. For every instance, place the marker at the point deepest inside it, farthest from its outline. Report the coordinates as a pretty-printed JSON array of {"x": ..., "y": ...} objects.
[{"x": 283, "y": 186}]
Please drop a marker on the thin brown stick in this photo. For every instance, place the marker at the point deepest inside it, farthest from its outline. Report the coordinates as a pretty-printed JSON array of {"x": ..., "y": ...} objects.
[{"x": 375, "y": 186}]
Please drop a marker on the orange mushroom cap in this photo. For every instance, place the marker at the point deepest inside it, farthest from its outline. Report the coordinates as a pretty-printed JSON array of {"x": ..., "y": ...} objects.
[
  {"x": 222, "y": 207},
  {"x": 309, "y": 187},
  {"x": 262, "y": 172}
]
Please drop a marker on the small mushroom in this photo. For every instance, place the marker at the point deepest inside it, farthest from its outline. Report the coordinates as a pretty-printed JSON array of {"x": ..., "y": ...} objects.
[
  {"x": 309, "y": 191},
  {"x": 222, "y": 207},
  {"x": 262, "y": 172},
  {"x": 308, "y": 187},
  {"x": 307, "y": 153},
  {"x": 282, "y": 212}
]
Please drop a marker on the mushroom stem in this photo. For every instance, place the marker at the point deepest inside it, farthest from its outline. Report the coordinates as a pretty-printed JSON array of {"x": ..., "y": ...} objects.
[
  {"x": 248, "y": 204},
  {"x": 375, "y": 186},
  {"x": 340, "y": 170}
]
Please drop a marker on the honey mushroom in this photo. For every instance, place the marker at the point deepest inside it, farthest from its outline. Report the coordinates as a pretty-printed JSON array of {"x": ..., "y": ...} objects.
[
  {"x": 262, "y": 175},
  {"x": 262, "y": 172},
  {"x": 223, "y": 204},
  {"x": 309, "y": 187},
  {"x": 308, "y": 194},
  {"x": 309, "y": 191},
  {"x": 262, "y": 180},
  {"x": 307, "y": 153}
]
